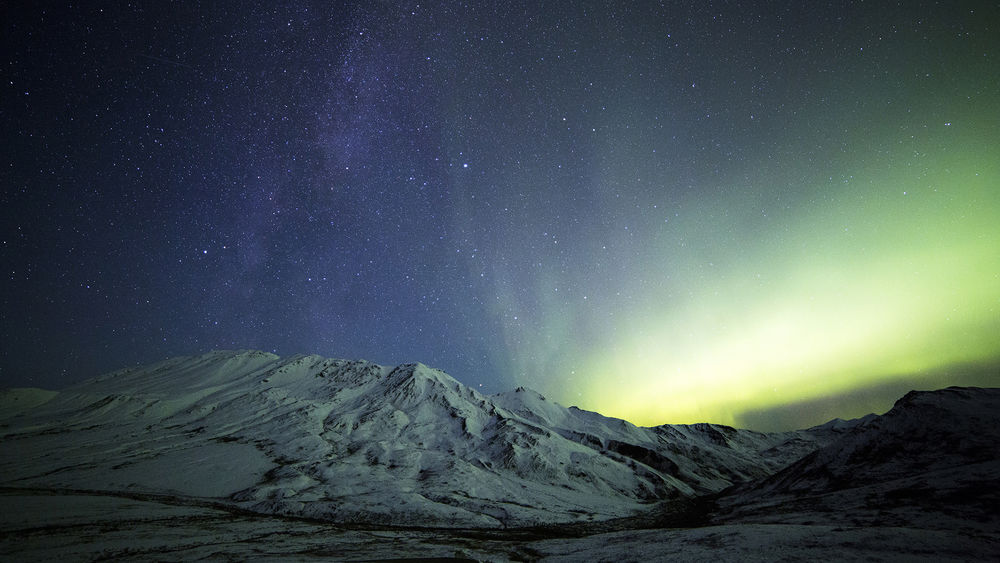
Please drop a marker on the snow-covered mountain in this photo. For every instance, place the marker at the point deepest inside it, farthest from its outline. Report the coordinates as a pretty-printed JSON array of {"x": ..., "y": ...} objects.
[
  {"x": 932, "y": 461},
  {"x": 352, "y": 441},
  {"x": 201, "y": 457}
]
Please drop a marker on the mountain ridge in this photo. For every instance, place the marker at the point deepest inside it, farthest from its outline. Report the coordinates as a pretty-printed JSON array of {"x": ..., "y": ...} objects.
[
  {"x": 353, "y": 441},
  {"x": 931, "y": 461}
]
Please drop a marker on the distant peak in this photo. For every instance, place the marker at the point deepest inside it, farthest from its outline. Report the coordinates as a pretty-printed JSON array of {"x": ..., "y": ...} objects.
[
  {"x": 529, "y": 390},
  {"x": 523, "y": 393},
  {"x": 244, "y": 353},
  {"x": 420, "y": 371},
  {"x": 947, "y": 394}
]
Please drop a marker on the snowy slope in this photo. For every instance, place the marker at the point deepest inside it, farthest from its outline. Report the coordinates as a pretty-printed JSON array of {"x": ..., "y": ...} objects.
[
  {"x": 932, "y": 461},
  {"x": 17, "y": 401},
  {"x": 352, "y": 441}
]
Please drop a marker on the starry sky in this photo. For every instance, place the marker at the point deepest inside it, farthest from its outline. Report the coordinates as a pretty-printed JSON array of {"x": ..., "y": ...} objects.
[{"x": 760, "y": 214}]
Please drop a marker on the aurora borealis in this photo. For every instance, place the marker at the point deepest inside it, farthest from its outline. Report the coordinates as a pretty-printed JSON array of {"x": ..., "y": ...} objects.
[
  {"x": 895, "y": 282},
  {"x": 665, "y": 212}
]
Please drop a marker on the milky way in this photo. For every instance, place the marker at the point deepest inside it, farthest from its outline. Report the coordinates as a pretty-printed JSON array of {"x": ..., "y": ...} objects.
[{"x": 668, "y": 213}]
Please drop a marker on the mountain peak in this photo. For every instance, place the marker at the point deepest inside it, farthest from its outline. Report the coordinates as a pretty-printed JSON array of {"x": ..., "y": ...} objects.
[
  {"x": 948, "y": 394},
  {"x": 420, "y": 372}
]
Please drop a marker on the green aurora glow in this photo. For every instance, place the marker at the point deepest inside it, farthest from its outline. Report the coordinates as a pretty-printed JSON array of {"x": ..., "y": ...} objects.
[
  {"x": 900, "y": 276},
  {"x": 889, "y": 273},
  {"x": 706, "y": 230}
]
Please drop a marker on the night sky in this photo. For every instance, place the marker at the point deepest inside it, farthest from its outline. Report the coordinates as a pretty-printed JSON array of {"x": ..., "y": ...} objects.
[{"x": 764, "y": 214}]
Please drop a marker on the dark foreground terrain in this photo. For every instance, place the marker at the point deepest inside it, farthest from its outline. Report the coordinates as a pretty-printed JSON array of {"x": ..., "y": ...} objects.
[{"x": 66, "y": 526}]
